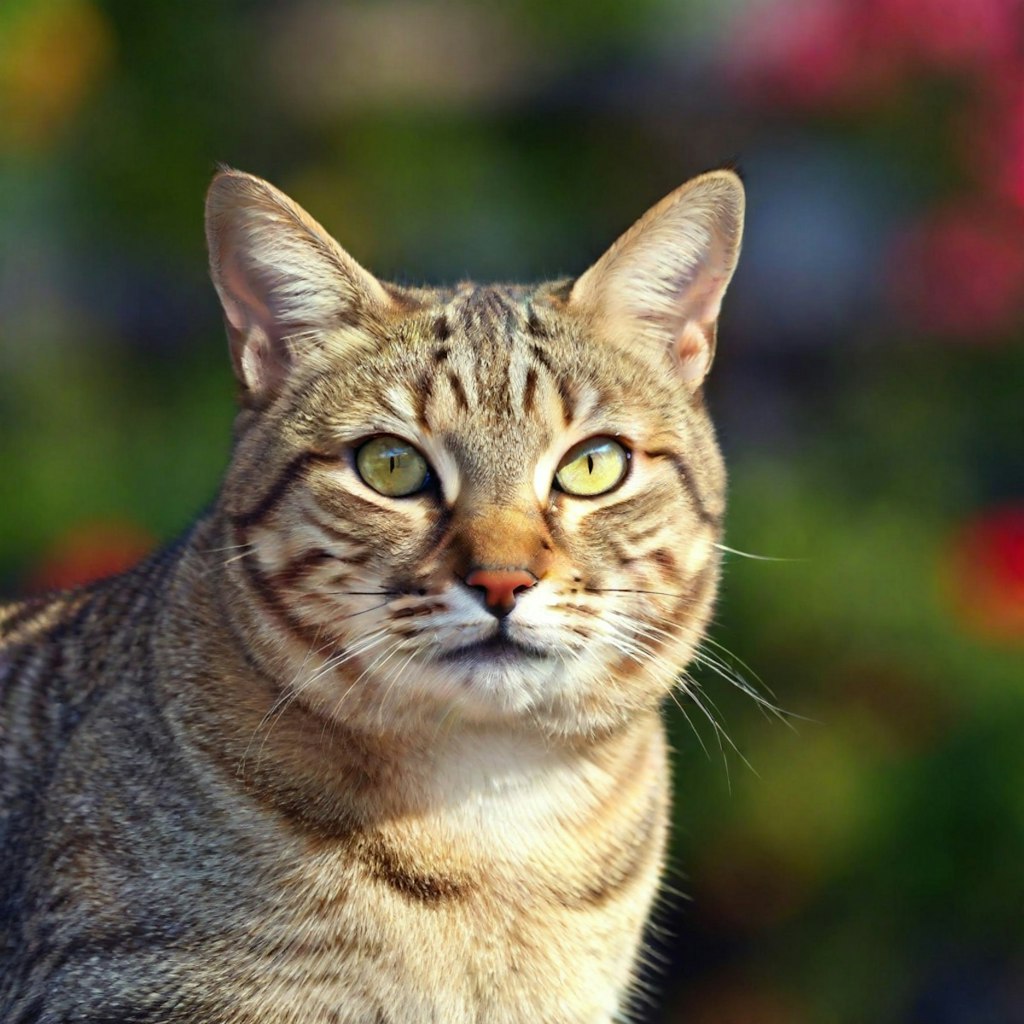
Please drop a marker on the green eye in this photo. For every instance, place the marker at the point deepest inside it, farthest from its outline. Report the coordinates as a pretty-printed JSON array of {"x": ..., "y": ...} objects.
[
  {"x": 592, "y": 467},
  {"x": 391, "y": 466}
]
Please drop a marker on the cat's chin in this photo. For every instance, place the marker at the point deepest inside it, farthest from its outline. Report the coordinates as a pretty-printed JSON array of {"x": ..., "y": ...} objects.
[
  {"x": 494, "y": 679},
  {"x": 496, "y": 651}
]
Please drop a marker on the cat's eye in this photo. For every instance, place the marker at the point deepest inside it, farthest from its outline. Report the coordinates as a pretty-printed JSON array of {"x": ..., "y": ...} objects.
[
  {"x": 592, "y": 467},
  {"x": 392, "y": 467}
]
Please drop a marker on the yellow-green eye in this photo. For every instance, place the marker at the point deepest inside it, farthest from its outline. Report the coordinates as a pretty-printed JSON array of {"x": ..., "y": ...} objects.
[
  {"x": 391, "y": 466},
  {"x": 592, "y": 467}
]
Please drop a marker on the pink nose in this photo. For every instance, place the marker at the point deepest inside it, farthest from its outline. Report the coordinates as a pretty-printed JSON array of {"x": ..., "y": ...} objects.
[{"x": 500, "y": 587}]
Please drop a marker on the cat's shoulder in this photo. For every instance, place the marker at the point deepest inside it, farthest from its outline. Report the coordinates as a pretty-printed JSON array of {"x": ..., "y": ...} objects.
[{"x": 30, "y": 619}]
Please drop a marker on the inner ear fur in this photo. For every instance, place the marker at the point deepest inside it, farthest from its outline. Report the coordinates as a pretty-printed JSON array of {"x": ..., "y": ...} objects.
[
  {"x": 280, "y": 277},
  {"x": 660, "y": 286}
]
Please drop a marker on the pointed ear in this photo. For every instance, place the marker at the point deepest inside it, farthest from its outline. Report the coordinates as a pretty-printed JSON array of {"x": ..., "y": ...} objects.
[
  {"x": 661, "y": 284},
  {"x": 280, "y": 277}
]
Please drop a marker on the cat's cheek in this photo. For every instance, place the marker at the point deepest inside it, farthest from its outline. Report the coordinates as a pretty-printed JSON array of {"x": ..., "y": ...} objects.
[{"x": 699, "y": 554}]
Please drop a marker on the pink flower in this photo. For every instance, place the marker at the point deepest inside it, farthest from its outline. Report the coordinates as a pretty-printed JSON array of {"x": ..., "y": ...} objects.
[
  {"x": 816, "y": 54},
  {"x": 947, "y": 35},
  {"x": 802, "y": 53},
  {"x": 960, "y": 273},
  {"x": 995, "y": 133}
]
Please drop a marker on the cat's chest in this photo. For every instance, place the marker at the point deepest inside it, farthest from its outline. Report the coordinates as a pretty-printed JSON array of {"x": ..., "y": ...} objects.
[
  {"x": 484, "y": 954},
  {"x": 475, "y": 916}
]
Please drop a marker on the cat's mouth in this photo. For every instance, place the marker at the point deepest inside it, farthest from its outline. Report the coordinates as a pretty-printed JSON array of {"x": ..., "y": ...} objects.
[{"x": 497, "y": 649}]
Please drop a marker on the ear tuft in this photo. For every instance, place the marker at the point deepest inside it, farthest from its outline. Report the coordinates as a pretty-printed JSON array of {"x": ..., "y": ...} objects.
[
  {"x": 661, "y": 284},
  {"x": 281, "y": 278}
]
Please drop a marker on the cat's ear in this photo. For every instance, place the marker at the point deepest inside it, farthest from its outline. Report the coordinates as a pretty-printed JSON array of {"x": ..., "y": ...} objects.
[
  {"x": 661, "y": 284},
  {"x": 281, "y": 278}
]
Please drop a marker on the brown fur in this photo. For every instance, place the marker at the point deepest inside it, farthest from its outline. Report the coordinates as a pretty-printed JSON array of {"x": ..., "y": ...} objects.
[{"x": 248, "y": 782}]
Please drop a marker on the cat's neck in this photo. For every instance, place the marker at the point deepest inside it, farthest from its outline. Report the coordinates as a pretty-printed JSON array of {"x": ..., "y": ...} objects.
[{"x": 233, "y": 705}]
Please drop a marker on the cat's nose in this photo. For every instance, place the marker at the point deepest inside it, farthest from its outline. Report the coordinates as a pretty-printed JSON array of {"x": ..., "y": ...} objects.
[{"x": 500, "y": 587}]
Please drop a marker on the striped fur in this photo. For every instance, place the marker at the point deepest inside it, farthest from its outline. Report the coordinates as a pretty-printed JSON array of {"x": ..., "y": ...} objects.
[{"x": 261, "y": 777}]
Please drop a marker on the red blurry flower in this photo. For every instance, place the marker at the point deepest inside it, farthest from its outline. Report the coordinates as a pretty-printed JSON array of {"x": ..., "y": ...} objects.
[
  {"x": 799, "y": 53},
  {"x": 960, "y": 273},
  {"x": 815, "y": 54},
  {"x": 947, "y": 35},
  {"x": 995, "y": 134},
  {"x": 90, "y": 552},
  {"x": 735, "y": 999},
  {"x": 987, "y": 574}
]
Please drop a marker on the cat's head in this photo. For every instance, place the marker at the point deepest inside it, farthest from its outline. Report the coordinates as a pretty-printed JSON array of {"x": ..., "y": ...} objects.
[{"x": 487, "y": 504}]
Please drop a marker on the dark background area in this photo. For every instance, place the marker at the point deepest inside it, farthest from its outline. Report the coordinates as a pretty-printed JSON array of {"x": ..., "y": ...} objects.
[{"x": 861, "y": 859}]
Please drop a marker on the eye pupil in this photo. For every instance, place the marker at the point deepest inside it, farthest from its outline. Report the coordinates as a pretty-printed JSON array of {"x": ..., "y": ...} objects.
[
  {"x": 594, "y": 466},
  {"x": 391, "y": 466}
]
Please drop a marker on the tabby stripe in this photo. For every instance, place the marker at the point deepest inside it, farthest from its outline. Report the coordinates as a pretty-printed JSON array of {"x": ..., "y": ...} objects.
[
  {"x": 25, "y": 614},
  {"x": 421, "y": 399},
  {"x": 665, "y": 560},
  {"x": 699, "y": 586},
  {"x": 131, "y": 939},
  {"x": 619, "y": 873},
  {"x": 298, "y": 568},
  {"x": 29, "y": 1013},
  {"x": 686, "y": 479},
  {"x": 405, "y": 301},
  {"x": 329, "y": 529},
  {"x": 384, "y": 866},
  {"x": 641, "y": 535},
  {"x": 529, "y": 389},
  {"x": 568, "y": 400},
  {"x": 442, "y": 331},
  {"x": 292, "y": 472},
  {"x": 533, "y": 325},
  {"x": 18, "y": 668},
  {"x": 390, "y": 406},
  {"x": 542, "y": 357},
  {"x": 458, "y": 391},
  {"x": 272, "y": 601},
  {"x": 46, "y": 717},
  {"x": 357, "y": 559},
  {"x": 16, "y": 672}
]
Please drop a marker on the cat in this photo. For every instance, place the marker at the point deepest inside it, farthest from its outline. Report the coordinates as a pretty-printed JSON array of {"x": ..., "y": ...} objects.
[{"x": 378, "y": 740}]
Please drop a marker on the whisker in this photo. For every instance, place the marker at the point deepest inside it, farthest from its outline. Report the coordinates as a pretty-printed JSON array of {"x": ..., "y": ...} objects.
[
  {"x": 757, "y": 558},
  {"x": 689, "y": 721},
  {"x": 239, "y": 556},
  {"x": 351, "y": 688},
  {"x": 283, "y": 699},
  {"x": 292, "y": 692},
  {"x": 695, "y": 692},
  {"x": 629, "y": 638}
]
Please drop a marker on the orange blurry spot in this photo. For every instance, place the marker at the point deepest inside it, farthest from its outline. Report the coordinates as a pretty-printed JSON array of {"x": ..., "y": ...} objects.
[
  {"x": 90, "y": 552},
  {"x": 52, "y": 57},
  {"x": 748, "y": 887},
  {"x": 738, "y": 1000}
]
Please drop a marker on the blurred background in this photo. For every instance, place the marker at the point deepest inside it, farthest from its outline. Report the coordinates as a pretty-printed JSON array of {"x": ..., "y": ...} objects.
[{"x": 860, "y": 860}]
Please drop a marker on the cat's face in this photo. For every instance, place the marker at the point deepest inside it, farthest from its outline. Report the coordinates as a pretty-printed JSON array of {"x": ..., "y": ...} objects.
[{"x": 496, "y": 504}]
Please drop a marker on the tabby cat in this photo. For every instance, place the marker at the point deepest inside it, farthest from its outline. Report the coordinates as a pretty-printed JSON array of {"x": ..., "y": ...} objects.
[{"x": 377, "y": 741}]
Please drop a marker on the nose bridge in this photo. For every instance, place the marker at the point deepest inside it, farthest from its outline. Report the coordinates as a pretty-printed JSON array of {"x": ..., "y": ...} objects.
[{"x": 493, "y": 536}]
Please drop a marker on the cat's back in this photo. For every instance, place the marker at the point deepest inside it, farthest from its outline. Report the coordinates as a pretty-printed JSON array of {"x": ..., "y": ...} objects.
[
  {"x": 57, "y": 651},
  {"x": 62, "y": 655}
]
